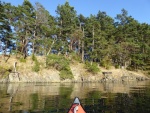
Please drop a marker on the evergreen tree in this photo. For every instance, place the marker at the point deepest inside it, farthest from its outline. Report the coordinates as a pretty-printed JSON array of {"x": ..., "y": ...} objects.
[
  {"x": 66, "y": 18},
  {"x": 121, "y": 34},
  {"x": 106, "y": 36},
  {"x": 23, "y": 24},
  {"x": 121, "y": 42},
  {"x": 44, "y": 31},
  {"x": 5, "y": 28}
]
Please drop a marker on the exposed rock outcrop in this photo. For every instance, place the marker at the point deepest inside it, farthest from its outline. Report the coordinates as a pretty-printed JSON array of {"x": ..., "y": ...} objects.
[{"x": 80, "y": 75}]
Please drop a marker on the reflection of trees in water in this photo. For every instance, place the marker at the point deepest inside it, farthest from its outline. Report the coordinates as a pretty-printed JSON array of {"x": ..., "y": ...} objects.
[
  {"x": 95, "y": 103},
  {"x": 34, "y": 101},
  {"x": 136, "y": 102},
  {"x": 59, "y": 103},
  {"x": 57, "y": 98},
  {"x": 35, "y": 96},
  {"x": 7, "y": 94},
  {"x": 108, "y": 87},
  {"x": 92, "y": 102},
  {"x": 12, "y": 92},
  {"x": 4, "y": 98}
]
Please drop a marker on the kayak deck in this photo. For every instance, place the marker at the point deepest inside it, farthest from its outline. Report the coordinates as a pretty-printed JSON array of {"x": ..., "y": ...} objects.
[{"x": 76, "y": 107}]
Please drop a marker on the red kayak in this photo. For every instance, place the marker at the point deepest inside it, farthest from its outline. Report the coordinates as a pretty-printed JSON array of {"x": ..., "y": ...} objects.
[{"x": 76, "y": 107}]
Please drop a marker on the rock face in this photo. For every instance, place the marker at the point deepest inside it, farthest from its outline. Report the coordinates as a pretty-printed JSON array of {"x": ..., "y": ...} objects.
[
  {"x": 33, "y": 77},
  {"x": 123, "y": 76},
  {"x": 80, "y": 75},
  {"x": 13, "y": 77}
]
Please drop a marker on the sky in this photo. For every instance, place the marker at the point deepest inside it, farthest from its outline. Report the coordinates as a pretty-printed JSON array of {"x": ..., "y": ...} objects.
[{"x": 138, "y": 9}]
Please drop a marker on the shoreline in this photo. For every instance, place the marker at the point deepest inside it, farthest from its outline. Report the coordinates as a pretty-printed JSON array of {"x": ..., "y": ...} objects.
[
  {"x": 45, "y": 77},
  {"x": 23, "y": 73}
]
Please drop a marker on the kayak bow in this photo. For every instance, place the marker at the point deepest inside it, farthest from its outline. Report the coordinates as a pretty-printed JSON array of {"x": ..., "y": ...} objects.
[{"x": 76, "y": 107}]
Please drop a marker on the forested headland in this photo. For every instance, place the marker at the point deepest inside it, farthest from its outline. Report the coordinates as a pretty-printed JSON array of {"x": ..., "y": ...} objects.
[{"x": 29, "y": 30}]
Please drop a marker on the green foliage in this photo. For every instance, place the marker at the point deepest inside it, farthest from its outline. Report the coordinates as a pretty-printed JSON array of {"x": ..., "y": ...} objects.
[
  {"x": 122, "y": 39},
  {"x": 6, "y": 74},
  {"x": 61, "y": 64},
  {"x": 64, "y": 95},
  {"x": 75, "y": 56},
  {"x": 106, "y": 62},
  {"x": 4, "y": 71},
  {"x": 22, "y": 60},
  {"x": 17, "y": 103},
  {"x": 34, "y": 100},
  {"x": 148, "y": 73},
  {"x": 34, "y": 57},
  {"x": 117, "y": 66},
  {"x": 67, "y": 23},
  {"x": 5, "y": 27},
  {"x": 93, "y": 68},
  {"x": 95, "y": 94},
  {"x": 66, "y": 74},
  {"x": 22, "y": 21},
  {"x": 36, "y": 66}
]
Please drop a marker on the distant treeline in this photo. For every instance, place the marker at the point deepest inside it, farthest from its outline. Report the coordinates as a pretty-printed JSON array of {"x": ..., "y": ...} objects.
[{"x": 119, "y": 41}]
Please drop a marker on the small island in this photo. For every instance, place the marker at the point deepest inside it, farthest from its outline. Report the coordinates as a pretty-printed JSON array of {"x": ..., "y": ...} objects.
[{"x": 38, "y": 47}]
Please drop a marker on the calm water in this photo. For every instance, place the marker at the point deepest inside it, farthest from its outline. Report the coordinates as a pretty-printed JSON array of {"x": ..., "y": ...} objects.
[{"x": 57, "y": 98}]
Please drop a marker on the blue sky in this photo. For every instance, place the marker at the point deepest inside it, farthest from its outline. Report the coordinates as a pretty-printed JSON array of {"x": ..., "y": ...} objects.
[{"x": 138, "y": 9}]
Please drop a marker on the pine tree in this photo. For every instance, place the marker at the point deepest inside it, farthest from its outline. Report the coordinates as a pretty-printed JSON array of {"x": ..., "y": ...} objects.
[
  {"x": 66, "y": 17},
  {"x": 23, "y": 24},
  {"x": 5, "y": 28},
  {"x": 44, "y": 31}
]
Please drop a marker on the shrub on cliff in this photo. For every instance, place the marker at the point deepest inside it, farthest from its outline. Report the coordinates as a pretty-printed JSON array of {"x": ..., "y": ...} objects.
[
  {"x": 66, "y": 74},
  {"x": 4, "y": 71},
  {"x": 36, "y": 66},
  {"x": 76, "y": 57},
  {"x": 22, "y": 60},
  {"x": 93, "y": 68},
  {"x": 61, "y": 64},
  {"x": 106, "y": 62}
]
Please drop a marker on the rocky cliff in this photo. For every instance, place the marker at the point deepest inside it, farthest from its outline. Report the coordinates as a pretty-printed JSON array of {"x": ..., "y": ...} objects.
[{"x": 23, "y": 73}]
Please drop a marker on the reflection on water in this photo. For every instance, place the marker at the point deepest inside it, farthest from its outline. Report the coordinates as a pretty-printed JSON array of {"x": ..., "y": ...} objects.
[{"x": 57, "y": 97}]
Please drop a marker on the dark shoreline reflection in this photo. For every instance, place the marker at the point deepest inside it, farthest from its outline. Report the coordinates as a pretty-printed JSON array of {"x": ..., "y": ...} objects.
[{"x": 133, "y": 97}]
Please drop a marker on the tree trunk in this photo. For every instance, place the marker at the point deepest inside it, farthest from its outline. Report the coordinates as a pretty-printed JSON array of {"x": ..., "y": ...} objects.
[
  {"x": 51, "y": 47},
  {"x": 93, "y": 45},
  {"x": 79, "y": 46},
  {"x": 83, "y": 47}
]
